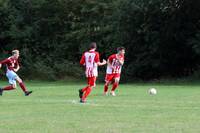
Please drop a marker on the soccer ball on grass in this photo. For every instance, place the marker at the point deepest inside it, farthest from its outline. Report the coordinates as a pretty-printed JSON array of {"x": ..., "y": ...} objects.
[{"x": 152, "y": 91}]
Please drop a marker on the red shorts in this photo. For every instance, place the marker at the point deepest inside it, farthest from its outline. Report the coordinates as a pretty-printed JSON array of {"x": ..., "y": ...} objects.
[
  {"x": 91, "y": 81},
  {"x": 111, "y": 77}
]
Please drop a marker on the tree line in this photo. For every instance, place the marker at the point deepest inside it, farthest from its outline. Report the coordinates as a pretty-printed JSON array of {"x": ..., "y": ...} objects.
[{"x": 161, "y": 37}]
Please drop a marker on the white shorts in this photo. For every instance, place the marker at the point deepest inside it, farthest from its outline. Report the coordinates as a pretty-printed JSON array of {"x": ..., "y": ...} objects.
[{"x": 11, "y": 75}]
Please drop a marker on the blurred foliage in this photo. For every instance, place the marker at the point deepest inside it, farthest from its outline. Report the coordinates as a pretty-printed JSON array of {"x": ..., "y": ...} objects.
[{"x": 162, "y": 37}]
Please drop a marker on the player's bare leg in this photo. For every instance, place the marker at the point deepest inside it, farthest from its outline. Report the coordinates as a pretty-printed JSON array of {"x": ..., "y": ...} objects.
[
  {"x": 115, "y": 85},
  {"x": 23, "y": 87}
]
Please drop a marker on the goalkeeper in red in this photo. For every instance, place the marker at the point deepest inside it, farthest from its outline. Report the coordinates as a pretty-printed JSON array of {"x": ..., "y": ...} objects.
[
  {"x": 114, "y": 66},
  {"x": 90, "y": 60},
  {"x": 12, "y": 66}
]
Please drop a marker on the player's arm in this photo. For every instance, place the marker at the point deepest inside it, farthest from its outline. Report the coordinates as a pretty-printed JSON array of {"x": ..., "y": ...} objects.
[
  {"x": 97, "y": 60},
  {"x": 109, "y": 61},
  {"x": 82, "y": 61},
  {"x": 3, "y": 62},
  {"x": 109, "y": 64},
  {"x": 121, "y": 61},
  {"x": 17, "y": 68},
  {"x": 101, "y": 63}
]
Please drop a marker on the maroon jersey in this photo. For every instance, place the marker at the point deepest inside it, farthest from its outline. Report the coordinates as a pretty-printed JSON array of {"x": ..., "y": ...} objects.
[{"x": 10, "y": 63}]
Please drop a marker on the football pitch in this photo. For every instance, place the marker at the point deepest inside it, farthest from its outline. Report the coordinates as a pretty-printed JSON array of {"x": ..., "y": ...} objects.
[{"x": 54, "y": 108}]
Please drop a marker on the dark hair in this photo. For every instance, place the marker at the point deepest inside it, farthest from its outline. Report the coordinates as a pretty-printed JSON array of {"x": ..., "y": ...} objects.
[
  {"x": 120, "y": 48},
  {"x": 93, "y": 45}
]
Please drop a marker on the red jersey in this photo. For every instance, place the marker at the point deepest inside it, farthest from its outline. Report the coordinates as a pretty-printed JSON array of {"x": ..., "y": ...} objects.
[
  {"x": 90, "y": 59},
  {"x": 10, "y": 63},
  {"x": 116, "y": 66}
]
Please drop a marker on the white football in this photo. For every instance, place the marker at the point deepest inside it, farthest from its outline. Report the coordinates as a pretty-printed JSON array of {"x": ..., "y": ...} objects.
[{"x": 152, "y": 91}]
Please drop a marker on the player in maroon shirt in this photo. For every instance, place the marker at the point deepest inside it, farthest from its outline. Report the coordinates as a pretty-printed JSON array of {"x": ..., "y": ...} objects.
[{"x": 12, "y": 65}]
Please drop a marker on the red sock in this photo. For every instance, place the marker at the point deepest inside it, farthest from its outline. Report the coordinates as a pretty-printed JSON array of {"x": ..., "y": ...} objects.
[
  {"x": 84, "y": 89},
  {"x": 115, "y": 85},
  {"x": 7, "y": 88},
  {"x": 22, "y": 86},
  {"x": 105, "y": 88},
  {"x": 89, "y": 89}
]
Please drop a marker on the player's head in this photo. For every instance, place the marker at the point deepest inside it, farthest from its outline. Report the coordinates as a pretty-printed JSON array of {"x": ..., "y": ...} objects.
[
  {"x": 15, "y": 53},
  {"x": 121, "y": 50},
  {"x": 93, "y": 45}
]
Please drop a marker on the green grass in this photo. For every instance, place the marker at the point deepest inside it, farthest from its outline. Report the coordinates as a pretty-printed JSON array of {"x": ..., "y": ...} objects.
[{"x": 54, "y": 108}]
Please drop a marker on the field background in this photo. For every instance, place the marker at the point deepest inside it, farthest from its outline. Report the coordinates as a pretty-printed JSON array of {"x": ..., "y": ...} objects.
[
  {"x": 162, "y": 41},
  {"x": 54, "y": 108}
]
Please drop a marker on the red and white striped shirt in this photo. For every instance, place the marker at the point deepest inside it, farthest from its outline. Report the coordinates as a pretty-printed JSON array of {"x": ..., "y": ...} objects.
[
  {"x": 115, "y": 65},
  {"x": 90, "y": 59}
]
